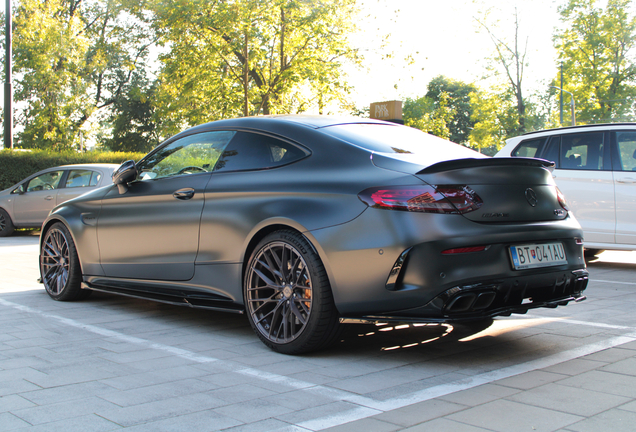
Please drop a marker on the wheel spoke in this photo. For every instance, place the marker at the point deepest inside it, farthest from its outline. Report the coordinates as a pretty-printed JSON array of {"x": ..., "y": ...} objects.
[
  {"x": 270, "y": 266},
  {"x": 277, "y": 265},
  {"x": 297, "y": 313},
  {"x": 284, "y": 264},
  {"x": 268, "y": 282}
]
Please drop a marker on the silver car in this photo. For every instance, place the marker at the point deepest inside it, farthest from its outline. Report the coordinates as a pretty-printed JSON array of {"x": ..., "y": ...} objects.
[
  {"x": 302, "y": 223},
  {"x": 27, "y": 203}
]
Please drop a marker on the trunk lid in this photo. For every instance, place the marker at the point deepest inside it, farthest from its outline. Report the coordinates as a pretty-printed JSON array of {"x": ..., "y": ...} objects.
[{"x": 511, "y": 189}]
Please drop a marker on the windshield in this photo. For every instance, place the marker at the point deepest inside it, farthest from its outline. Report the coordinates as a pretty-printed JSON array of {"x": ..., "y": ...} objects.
[{"x": 400, "y": 142}]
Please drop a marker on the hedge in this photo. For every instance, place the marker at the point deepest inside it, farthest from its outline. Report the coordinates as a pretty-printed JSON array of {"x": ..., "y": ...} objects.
[{"x": 15, "y": 165}]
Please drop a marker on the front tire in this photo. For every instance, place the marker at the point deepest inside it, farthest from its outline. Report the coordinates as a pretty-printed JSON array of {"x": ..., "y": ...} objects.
[
  {"x": 287, "y": 295},
  {"x": 60, "y": 266},
  {"x": 6, "y": 224}
]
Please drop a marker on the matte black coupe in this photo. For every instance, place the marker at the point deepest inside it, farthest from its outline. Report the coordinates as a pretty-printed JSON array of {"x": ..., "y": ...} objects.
[{"x": 305, "y": 222}]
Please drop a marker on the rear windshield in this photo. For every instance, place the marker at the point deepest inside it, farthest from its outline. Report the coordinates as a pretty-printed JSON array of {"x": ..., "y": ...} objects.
[{"x": 400, "y": 141}]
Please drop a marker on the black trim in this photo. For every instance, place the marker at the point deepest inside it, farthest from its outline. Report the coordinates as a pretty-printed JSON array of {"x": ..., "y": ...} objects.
[
  {"x": 486, "y": 162},
  {"x": 173, "y": 296}
]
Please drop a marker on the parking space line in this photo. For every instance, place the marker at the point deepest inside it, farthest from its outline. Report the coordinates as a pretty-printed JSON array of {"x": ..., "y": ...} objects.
[
  {"x": 614, "y": 282},
  {"x": 112, "y": 334},
  {"x": 583, "y": 323},
  {"x": 363, "y": 407}
]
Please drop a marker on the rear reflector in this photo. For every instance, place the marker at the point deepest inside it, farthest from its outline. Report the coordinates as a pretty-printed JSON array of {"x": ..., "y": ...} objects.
[
  {"x": 465, "y": 250},
  {"x": 448, "y": 199}
]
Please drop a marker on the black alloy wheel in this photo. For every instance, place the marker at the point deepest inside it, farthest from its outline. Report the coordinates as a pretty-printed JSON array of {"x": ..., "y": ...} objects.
[
  {"x": 59, "y": 265},
  {"x": 6, "y": 225},
  {"x": 287, "y": 295}
]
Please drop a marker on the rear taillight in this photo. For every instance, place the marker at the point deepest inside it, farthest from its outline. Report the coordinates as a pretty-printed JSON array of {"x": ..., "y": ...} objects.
[
  {"x": 448, "y": 199},
  {"x": 562, "y": 201}
]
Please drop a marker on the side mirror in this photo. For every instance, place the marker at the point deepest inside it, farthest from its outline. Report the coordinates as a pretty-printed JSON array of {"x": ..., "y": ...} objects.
[{"x": 123, "y": 175}]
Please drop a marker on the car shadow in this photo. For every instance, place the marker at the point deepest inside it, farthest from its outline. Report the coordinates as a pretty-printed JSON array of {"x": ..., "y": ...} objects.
[{"x": 232, "y": 332}]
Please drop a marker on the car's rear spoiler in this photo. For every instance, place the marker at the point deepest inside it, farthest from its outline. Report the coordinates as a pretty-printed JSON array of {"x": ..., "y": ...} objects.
[{"x": 486, "y": 162}]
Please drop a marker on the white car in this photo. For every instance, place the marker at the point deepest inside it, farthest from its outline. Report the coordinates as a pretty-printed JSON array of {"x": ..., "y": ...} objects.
[
  {"x": 27, "y": 203},
  {"x": 595, "y": 168}
]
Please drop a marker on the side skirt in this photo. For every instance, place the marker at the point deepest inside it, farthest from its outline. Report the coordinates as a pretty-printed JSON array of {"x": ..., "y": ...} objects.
[{"x": 178, "y": 297}]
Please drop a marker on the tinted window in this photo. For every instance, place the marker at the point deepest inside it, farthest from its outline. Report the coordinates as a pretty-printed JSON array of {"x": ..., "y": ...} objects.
[
  {"x": 529, "y": 148},
  {"x": 46, "y": 181},
  {"x": 188, "y": 155},
  {"x": 82, "y": 178},
  {"x": 627, "y": 150},
  {"x": 400, "y": 142},
  {"x": 251, "y": 151},
  {"x": 582, "y": 151}
]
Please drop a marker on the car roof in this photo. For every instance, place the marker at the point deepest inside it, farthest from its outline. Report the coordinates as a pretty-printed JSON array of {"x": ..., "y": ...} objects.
[
  {"x": 572, "y": 129},
  {"x": 310, "y": 121},
  {"x": 95, "y": 165}
]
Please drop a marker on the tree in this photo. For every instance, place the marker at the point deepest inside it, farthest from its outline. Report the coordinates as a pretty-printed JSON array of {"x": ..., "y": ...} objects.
[
  {"x": 73, "y": 59},
  {"x": 429, "y": 116},
  {"x": 495, "y": 119},
  {"x": 132, "y": 120},
  {"x": 513, "y": 61},
  {"x": 596, "y": 47},
  {"x": 251, "y": 57},
  {"x": 457, "y": 94}
]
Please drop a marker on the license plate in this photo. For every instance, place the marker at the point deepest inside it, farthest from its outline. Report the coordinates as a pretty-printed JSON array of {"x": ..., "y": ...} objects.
[{"x": 537, "y": 255}]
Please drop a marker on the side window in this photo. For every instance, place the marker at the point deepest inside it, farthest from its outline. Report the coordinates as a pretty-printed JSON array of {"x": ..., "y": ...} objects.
[
  {"x": 189, "y": 155},
  {"x": 529, "y": 148},
  {"x": 583, "y": 151},
  {"x": 81, "y": 178},
  {"x": 47, "y": 181},
  {"x": 95, "y": 178},
  {"x": 251, "y": 151},
  {"x": 626, "y": 142}
]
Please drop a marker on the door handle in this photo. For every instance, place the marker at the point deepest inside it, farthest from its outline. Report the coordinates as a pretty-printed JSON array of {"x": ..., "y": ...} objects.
[
  {"x": 48, "y": 198},
  {"x": 184, "y": 194},
  {"x": 626, "y": 180}
]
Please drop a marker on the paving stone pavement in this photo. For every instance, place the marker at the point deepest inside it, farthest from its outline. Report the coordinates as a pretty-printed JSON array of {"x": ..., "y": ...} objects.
[{"x": 111, "y": 363}]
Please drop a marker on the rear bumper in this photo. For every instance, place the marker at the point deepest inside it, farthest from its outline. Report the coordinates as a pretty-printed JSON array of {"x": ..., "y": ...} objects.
[
  {"x": 494, "y": 298},
  {"x": 401, "y": 270}
]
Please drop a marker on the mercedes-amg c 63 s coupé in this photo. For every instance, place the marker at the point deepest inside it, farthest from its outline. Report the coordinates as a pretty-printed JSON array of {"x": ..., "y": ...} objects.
[{"x": 303, "y": 223}]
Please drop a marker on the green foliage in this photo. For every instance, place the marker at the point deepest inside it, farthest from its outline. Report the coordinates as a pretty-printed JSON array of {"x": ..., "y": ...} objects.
[
  {"x": 250, "y": 57},
  {"x": 133, "y": 125},
  {"x": 510, "y": 59},
  {"x": 16, "y": 165},
  {"x": 598, "y": 67},
  {"x": 495, "y": 119},
  {"x": 435, "y": 116},
  {"x": 72, "y": 61},
  {"x": 457, "y": 94}
]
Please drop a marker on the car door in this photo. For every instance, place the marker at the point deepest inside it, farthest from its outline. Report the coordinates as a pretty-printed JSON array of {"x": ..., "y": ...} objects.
[
  {"x": 583, "y": 173},
  {"x": 36, "y": 197},
  {"x": 152, "y": 230},
  {"x": 625, "y": 186}
]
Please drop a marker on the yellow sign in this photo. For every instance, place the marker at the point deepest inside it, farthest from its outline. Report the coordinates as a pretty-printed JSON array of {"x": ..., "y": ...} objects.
[{"x": 390, "y": 110}]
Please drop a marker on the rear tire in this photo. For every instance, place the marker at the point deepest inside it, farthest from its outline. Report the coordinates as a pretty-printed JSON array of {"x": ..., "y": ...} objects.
[
  {"x": 59, "y": 265},
  {"x": 6, "y": 224},
  {"x": 287, "y": 295}
]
